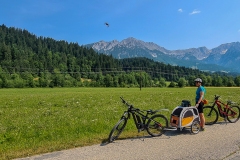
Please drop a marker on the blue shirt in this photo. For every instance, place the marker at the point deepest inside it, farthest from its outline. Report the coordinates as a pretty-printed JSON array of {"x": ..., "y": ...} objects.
[{"x": 200, "y": 89}]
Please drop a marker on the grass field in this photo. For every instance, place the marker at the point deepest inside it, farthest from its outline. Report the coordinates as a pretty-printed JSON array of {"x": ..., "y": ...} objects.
[{"x": 34, "y": 121}]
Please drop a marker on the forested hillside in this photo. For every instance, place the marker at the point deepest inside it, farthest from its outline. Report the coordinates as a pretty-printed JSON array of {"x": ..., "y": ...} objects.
[{"x": 27, "y": 60}]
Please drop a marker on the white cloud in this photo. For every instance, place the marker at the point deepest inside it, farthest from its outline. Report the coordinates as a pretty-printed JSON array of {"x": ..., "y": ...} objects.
[
  {"x": 195, "y": 11},
  {"x": 180, "y": 10}
]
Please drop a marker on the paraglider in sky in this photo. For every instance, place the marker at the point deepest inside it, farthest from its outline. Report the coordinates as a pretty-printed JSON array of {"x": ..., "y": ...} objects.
[{"x": 106, "y": 24}]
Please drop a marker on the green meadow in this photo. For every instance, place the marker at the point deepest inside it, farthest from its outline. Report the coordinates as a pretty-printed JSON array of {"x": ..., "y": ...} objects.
[{"x": 34, "y": 121}]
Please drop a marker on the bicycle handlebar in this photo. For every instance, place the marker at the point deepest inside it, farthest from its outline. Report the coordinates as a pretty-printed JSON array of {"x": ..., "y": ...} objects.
[
  {"x": 216, "y": 97},
  {"x": 124, "y": 102},
  {"x": 130, "y": 106},
  {"x": 138, "y": 110}
]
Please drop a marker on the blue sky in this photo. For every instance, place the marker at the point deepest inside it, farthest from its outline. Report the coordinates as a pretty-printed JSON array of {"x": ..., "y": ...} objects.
[{"x": 173, "y": 24}]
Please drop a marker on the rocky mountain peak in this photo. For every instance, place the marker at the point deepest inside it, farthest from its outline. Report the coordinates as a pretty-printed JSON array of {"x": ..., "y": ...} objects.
[
  {"x": 104, "y": 46},
  {"x": 129, "y": 43},
  {"x": 132, "y": 47}
]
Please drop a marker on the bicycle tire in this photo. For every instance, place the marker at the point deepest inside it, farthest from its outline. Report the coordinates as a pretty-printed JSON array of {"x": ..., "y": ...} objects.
[
  {"x": 210, "y": 119},
  {"x": 233, "y": 119},
  {"x": 117, "y": 130},
  {"x": 156, "y": 125}
]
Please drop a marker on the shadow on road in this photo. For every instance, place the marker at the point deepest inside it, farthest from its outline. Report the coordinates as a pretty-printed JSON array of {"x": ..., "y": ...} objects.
[
  {"x": 144, "y": 136},
  {"x": 166, "y": 135}
]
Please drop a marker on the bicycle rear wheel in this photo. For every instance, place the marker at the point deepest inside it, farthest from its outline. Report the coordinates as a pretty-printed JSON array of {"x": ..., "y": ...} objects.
[
  {"x": 231, "y": 117},
  {"x": 210, "y": 118},
  {"x": 117, "y": 130},
  {"x": 156, "y": 125}
]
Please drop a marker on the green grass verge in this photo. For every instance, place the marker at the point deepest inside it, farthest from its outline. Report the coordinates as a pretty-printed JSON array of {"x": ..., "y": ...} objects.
[{"x": 34, "y": 121}]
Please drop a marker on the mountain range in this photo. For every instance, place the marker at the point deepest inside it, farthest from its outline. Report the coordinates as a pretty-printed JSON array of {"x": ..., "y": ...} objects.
[{"x": 225, "y": 58}]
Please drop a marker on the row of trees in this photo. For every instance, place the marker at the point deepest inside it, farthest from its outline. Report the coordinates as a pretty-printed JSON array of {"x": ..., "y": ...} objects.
[
  {"x": 113, "y": 79},
  {"x": 30, "y": 61}
]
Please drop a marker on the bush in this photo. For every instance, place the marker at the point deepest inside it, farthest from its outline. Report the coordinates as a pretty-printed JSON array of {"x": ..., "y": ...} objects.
[
  {"x": 182, "y": 82},
  {"x": 172, "y": 85}
]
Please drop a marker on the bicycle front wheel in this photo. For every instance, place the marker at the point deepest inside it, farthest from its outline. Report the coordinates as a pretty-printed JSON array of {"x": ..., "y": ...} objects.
[
  {"x": 156, "y": 125},
  {"x": 117, "y": 130},
  {"x": 233, "y": 114},
  {"x": 210, "y": 114}
]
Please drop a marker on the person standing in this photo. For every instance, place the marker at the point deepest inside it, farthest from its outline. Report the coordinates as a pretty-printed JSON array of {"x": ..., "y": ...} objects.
[{"x": 200, "y": 92}]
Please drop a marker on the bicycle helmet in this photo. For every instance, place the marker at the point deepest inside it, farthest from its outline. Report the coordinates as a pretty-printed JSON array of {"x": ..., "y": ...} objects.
[{"x": 198, "y": 80}]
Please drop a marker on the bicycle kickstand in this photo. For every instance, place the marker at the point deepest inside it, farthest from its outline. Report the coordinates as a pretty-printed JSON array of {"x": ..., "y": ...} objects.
[
  {"x": 225, "y": 120},
  {"x": 141, "y": 137}
]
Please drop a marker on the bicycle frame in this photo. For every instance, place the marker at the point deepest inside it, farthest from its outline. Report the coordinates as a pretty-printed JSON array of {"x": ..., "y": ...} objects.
[
  {"x": 139, "y": 118},
  {"x": 222, "y": 113}
]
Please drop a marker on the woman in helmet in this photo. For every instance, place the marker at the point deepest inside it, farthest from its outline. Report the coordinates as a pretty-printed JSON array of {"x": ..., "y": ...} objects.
[{"x": 200, "y": 92}]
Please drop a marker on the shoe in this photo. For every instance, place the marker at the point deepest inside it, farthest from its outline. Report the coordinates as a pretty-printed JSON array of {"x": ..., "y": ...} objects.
[{"x": 202, "y": 129}]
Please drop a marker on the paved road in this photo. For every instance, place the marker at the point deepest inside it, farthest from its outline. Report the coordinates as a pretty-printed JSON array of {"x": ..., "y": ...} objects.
[{"x": 219, "y": 142}]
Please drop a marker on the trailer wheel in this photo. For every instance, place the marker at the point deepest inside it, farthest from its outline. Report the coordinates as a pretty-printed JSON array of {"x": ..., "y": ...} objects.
[{"x": 195, "y": 127}]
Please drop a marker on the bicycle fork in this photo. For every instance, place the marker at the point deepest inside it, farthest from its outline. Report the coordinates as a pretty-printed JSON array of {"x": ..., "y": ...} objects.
[{"x": 210, "y": 113}]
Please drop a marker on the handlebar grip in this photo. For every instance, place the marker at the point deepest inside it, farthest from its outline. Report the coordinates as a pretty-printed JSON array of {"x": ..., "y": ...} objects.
[{"x": 123, "y": 100}]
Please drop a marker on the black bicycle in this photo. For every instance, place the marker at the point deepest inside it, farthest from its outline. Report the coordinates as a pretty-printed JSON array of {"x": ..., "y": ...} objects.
[
  {"x": 154, "y": 125},
  {"x": 228, "y": 111}
]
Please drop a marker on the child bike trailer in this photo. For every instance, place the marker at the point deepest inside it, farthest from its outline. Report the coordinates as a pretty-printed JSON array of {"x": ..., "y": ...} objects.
[{"x": 185, "y": 116}]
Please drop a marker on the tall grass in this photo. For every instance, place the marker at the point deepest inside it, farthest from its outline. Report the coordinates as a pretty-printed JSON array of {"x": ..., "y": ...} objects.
[{"x": 34, "y": 121}]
